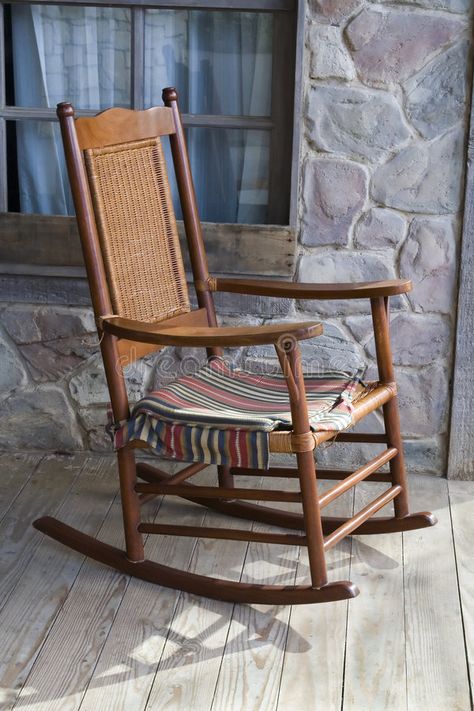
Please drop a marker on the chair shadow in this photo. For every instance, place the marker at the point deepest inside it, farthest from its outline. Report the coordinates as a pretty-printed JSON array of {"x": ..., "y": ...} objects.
[{"x": 267, "y": 627}]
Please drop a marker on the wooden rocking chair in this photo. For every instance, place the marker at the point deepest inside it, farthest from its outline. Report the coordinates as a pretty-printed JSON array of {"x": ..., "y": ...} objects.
[{"x": 140, "y": 298}]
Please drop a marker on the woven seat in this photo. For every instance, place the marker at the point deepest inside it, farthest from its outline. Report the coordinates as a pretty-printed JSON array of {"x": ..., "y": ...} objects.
[
  {"x": 219, "y": 415},
  {"x": 222, "y": 415}
]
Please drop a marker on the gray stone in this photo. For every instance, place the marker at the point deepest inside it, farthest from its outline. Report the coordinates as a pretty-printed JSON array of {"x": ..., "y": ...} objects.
[
  {"x": 425, "y": 177},
  {"x": 52, "y": 360},
  {"x": 436, "y": 96},
  {"x": 361, "y": 123},
  {"x": 227, "y": 304},
  {"x": 329, "y": 56},
  {"x": 361, "y": 327},
  {"x": 342, "y": 266},
  {"x": 94, "y": 421},
  {"x": 379, "y": 228},
  {"x": 424, "y": 399},
  {"x": 333, "y": 11},
  {"x": 450, "y": 5},
  {"x": 426, "y": 456},
  {"x": 88, "y": 386},
  {"x": 31, "y": 324},
  {"x": 39, "y": 419},
  {"x": 428, "y": 258},
  {"x": 12, "y": 371},
  {"x": 417, "y": 339},
  {"x": 331, "y": 351},
  {"x": 334, "y": 192},
  {"x": 390, "y": 45}
]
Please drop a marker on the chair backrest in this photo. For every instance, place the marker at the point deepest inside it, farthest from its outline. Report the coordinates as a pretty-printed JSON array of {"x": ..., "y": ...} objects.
[
  {"x": 127, "y": 223},
  {"x": 137, "y": 230}
]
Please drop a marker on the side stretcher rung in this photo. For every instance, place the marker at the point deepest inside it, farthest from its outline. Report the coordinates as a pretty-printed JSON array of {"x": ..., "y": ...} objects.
[
  {"x": 357, "y": 476},
  {"x": 214, "y": 492},
  {"x": 223, "y": 533},
  {"x": 352, "y": 523}
]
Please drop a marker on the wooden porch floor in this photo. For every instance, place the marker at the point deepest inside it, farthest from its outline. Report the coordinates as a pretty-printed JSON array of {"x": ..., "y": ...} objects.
[{"x": 76, "y": 635}]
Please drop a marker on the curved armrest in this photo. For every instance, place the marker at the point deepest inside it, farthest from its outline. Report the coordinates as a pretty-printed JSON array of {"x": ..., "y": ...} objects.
[
  {"x": 294, "y": 290},
  {"x": 208, "y": 336}
]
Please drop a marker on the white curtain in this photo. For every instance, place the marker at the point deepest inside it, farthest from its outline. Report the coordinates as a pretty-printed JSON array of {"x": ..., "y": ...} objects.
[{"x": 220, "y": 62}]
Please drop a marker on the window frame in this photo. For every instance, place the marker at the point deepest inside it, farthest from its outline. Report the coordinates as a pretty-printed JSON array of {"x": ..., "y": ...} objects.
[{"x": 283, "y": 179}]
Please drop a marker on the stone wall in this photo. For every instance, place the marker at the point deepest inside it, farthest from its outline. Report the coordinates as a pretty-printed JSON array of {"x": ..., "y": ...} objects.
[{"x": 385, "y": 97}]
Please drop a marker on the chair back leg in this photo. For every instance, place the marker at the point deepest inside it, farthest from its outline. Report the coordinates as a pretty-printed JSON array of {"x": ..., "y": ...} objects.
[
  {"x": 390, "y": 409},
  {"x": 130, "y": 505}
]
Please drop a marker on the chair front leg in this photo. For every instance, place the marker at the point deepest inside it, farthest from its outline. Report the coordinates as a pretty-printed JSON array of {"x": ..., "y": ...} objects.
[
  {"x": 380, "y": 318},
  {"x": 289, "y": 356}
]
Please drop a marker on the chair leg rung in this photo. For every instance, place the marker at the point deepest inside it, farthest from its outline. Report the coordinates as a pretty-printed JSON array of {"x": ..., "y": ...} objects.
[
  {"x": 352, "y": 523},
  {"x": 223, "y": 533}
]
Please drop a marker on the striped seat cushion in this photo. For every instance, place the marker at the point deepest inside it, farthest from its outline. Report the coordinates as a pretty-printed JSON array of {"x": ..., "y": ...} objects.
[{"x": 222, "y": 415}]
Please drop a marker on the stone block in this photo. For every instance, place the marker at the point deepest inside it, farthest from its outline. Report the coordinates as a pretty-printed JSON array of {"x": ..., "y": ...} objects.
[
  {"x": 334, "y": 192},
  {"x": 424, "y": 400},
  {"x": 424, "y": 177},
  {"x": 379, "y": 228},
  {"x": 428, "y": 258},
  {"x": 28, "y": 323},
  {"x": 462, "y": 6},
  {"x": 342, "y": 266},
  {"x": 361, "y": 327},
  {"x": 13, "y": 373},
  {"x": 329, "y": 56},
  {"x": 426, "y": 456},
  {"x": 436, "y": 95},
  {"x": 48, "y": 363},
  {"x": 333, "y": 350},
  {"x": 361, "y": 123},
  {"x": 333, "y": 11},
  {"x": 391, "y": 45},
  {"x": 417, "y": 339},
  {"x": 39, "y": 419},
  {"x": 88, "y": 386},
  {"x": 94, "y": 421}
]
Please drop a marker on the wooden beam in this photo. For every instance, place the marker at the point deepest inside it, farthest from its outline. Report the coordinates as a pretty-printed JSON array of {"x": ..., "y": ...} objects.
[
  {"x": 52, "y": 240},
  {"x": 461, "y": 445}
]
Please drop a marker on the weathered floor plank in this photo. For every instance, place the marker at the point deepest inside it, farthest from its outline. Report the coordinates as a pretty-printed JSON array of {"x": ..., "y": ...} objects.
[
  {"x": 189, "y": 668},
  {"x": 249, "y": 677},
  {"x": 26, "y": 618},
  {"x": 77, "y": 635},
  {"x": 127, "y": 665},
  {"x": 435, "y": 654},
  {"x": 375, "y": 659},
  {"x": 46, "y": 490},
  {"x": 15, "y": 471},
  {"x": 314, "y": 653},
  {"x": 461, "y": 494}
]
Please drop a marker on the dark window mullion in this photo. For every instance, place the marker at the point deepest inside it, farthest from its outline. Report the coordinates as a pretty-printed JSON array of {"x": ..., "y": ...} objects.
[
  {"x": 244, "y": 5},
  {"x": 283, "y": 72},
  {"x": 3, "y": 128},
  {"x": 138, "y": 58}
]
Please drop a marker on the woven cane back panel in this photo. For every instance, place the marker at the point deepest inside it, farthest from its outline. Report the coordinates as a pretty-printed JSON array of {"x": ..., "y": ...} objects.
[{"x": 137, "y": 230}]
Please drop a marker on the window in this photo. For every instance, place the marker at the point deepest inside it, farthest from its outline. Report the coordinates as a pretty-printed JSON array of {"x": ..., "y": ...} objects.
[{"x": 234, "y": 71}]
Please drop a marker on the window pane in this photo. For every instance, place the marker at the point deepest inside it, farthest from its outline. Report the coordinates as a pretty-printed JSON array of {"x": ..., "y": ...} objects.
[
  {"x": 76, "y": 54},
  {"x": 231, "y": 170},
  {"x": 37, "y": 175},
  {"x": 219, "y": 61}
]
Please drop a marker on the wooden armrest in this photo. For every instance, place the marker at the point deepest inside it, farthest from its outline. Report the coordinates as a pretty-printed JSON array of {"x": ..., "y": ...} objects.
[
  {"x": 207, "y": 336},
  {"x": 294, "y": 290}
]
